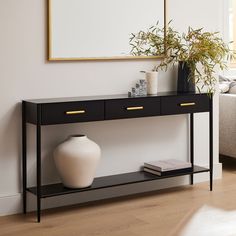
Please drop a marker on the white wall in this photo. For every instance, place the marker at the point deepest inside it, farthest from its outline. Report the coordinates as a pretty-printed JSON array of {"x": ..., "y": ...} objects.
[{"x": 25, "y": 73}]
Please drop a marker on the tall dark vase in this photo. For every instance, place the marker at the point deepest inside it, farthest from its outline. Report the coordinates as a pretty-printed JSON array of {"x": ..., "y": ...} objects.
[{"x": 185, "y": 83}]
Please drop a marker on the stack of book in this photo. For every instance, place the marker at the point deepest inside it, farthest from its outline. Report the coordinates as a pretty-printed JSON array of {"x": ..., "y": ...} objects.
[{"x": 167, "y": 167}]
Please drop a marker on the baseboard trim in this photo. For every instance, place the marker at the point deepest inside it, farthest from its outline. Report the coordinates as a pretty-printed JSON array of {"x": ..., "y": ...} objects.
[{"x": 12, "y": 204}]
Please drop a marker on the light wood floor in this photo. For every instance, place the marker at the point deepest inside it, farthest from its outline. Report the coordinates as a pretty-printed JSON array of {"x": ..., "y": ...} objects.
[{"x": 150, "y": 215}]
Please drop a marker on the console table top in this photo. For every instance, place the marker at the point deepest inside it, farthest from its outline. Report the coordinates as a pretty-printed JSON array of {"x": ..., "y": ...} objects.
[{"x": 106, "y": 97}]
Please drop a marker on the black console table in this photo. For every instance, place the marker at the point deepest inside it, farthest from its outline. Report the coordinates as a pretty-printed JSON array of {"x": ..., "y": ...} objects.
[{"x": 97, "y": 108}]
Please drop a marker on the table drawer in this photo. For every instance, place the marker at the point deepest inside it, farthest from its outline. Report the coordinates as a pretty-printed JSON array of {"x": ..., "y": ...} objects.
[
  {"x": 185, "y": 104},
  {"x": 131, "y": 108},
  {"x": 70, "y": 112}
]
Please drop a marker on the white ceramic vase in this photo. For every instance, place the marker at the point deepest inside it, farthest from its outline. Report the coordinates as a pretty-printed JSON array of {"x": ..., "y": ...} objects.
[
  {"x": 76, "y": 160},
  {"x": 151, "y": 78}
]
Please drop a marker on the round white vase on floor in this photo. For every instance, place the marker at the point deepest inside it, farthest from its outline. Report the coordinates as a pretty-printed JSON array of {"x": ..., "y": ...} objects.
[
  {"x": 151, "y": 78},
  {"x": 76, "y": 160}
]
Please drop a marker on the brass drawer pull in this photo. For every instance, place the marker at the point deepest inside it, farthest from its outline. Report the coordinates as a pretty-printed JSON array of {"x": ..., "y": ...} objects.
[
  {"x": 187, "y": 104},
  {"x": 134, "y": 108},
  {"x": 75, "y": 112}
]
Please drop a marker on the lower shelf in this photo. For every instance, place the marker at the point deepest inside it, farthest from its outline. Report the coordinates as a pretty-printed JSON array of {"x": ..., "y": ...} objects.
[{"x": 109, "y": 181}]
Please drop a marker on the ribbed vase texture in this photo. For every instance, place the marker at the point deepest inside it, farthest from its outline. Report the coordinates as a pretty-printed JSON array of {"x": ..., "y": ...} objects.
[{"x": 151, "y": 78}]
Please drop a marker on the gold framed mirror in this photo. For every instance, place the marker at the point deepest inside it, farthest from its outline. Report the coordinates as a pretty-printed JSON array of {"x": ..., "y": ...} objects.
[{"x": 82, "y": 30}]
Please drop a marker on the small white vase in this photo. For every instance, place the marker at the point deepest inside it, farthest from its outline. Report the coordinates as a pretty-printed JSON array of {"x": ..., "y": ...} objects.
[
  {"x": 151, "y": 78},
  {"x": 76, "y": 160}
]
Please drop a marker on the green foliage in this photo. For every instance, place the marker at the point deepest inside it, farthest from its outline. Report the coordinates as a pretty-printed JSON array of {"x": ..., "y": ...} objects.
[{"x": 202, "y": 51}]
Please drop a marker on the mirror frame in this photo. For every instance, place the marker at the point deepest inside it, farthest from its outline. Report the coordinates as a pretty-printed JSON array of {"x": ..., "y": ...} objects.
[{"x": 49, "y": 39}]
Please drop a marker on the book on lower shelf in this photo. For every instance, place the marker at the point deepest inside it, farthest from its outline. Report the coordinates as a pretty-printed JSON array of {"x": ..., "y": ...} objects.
[
  {"x": 167, "y": 165},
  {"x": 166, "y": 173}
]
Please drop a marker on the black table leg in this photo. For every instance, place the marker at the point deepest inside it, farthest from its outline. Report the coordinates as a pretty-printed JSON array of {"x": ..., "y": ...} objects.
[
  {"x": 211, "y": 142},
  {"x": 38, "y": 136},
  {"x": 24, "y": 163},
  {"x": 191, "y": 144}
]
